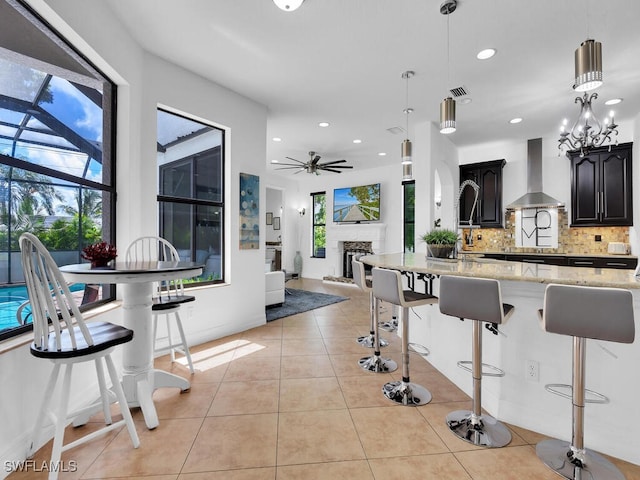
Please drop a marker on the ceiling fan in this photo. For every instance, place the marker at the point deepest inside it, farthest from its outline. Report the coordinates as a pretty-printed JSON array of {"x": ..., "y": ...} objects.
[{"x": 313, "y": 165}]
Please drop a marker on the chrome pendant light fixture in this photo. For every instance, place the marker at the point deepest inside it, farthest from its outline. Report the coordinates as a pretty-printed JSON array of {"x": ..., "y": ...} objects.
[
  {"x": 448, "y": 105},
  {"x": 407, "y": 161},
  {"x": 288, "y": 5},
  {"x": 588, "y": 66}
]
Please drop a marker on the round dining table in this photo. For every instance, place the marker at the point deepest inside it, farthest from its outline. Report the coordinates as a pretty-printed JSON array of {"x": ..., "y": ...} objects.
[{"x": 139, "y": 378}]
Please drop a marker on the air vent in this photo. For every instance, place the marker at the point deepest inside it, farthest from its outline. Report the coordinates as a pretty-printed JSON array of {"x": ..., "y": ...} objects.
[
  {"x": 458, "y": 92},
  {"x": 395, "y": 130}
]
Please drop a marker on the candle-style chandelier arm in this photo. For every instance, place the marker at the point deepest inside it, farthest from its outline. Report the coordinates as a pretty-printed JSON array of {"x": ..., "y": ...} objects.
[{"x": 587, "y": 131}]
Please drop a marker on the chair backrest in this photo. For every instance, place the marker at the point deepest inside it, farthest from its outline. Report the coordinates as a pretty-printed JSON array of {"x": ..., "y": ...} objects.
[
  {"x": 150, "y": 248},
  {"x": 387, "y": 285},
  {"x": 471, "y": 298},
  {"x": 50, "y": 297},
  {"x": 359, "y": 276},
  {"x": 589, "y": 312}
]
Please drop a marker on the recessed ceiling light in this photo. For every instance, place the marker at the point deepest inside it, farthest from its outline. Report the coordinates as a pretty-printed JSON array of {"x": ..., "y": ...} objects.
[
  {"x": 323, "y": 124},
  {"x": 486, "y": 53},
  {"x": 382, "y": 154},
  {"x": 465, "y": 101},
  {"x": 357, "y": 140},
  {"x": 276, "y": 139},
  {"x": 515, "y": 120},
  {"x": 613, "y": 101},
  {"x": 275, "y": 161}
]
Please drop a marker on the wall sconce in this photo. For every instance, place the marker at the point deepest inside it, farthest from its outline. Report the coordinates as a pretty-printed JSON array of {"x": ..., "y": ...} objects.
[{"x": 301, "y": 211}]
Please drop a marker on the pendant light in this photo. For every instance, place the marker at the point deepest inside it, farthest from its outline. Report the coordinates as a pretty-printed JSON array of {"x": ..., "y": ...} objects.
[
  {"x": 288, "y": 5},
  {"x": 448, "y": 105},
  {"x": 588, "y": 62},
  {"x": 407, "y": 162}
]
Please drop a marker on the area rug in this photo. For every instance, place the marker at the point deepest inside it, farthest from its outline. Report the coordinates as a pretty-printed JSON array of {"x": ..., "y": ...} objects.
[{"x": 298, "y": 301}]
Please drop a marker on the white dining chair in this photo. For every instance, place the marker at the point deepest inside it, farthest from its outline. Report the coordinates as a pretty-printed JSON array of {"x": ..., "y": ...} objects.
[
  {"x": 61, "y": 336},
  {"x": 169, "y": 295}
]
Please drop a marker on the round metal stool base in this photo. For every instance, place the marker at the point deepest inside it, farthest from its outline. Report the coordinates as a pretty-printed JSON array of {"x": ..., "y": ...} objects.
[
  {"x": 388, "y": 326},
  {"x": 486, "y": 432},
  {"x": 368, "y": 341},
  {"x": 377, "y": 364},
  {"x": 555, "y": 455},
  {"x": 404, "y": 393}
]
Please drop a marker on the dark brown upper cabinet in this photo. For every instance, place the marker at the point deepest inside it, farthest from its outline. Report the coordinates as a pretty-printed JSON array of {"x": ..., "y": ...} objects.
[
  {"x": 601, "y": 190},
  {"x": 488, "y": 176}
]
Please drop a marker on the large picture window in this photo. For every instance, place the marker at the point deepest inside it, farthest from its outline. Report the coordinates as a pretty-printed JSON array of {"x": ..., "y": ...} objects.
[
  {"x": 191, "y": 191},
  {"x": 319, "y": 202},
  {"x": 56, "y": 157}
]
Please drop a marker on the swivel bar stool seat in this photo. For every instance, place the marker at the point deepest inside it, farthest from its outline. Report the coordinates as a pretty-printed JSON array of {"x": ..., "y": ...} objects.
[
  {"x": 479, "y": 300},
  {"x": 583, "y": 312},
  {"x": 368, "y": 341},
  {"x": 387, "y": 286},
  {"x": 374, "y": 363}
]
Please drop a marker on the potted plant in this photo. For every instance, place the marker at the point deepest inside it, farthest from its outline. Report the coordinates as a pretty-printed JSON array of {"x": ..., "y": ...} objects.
[
  {"x": 441, "y": 242},
  {"x": 99, "y": 254}
]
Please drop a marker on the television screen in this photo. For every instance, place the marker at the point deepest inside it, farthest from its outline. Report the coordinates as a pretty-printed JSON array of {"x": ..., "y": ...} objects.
[{"x": 357, "y": 204}]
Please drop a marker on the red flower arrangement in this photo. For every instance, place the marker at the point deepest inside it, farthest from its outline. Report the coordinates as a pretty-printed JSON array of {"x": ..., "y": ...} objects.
[{"x": 99, "y": 254}]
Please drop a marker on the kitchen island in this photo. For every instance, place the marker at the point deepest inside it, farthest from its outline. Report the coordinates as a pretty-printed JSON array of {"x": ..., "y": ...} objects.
[{"x": 531, "y": 357}]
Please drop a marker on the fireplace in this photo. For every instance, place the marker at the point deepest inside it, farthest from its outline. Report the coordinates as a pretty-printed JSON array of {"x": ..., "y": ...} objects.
[
  {"x": 348, "y": 237},
  {"x": 353, "y": 251}
]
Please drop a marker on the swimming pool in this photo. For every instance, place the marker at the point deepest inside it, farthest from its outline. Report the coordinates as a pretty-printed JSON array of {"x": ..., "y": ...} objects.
[{"x": 11, "y": 297}]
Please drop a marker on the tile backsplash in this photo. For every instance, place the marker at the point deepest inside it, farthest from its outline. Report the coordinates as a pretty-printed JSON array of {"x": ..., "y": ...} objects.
[{"x": 571, "y": 240}]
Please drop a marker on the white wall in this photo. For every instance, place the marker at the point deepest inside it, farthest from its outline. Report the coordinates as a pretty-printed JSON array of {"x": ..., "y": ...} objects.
[
  {"x": 390, "y": 179},
  {"x": 145, "y": 81}
]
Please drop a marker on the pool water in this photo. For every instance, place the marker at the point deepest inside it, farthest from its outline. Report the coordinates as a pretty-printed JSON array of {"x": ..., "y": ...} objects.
[{"x": 10, "y": 300}]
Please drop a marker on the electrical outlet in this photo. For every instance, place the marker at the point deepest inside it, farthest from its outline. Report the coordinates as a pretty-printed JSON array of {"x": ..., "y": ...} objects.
[{"x": 532, "y": 370}]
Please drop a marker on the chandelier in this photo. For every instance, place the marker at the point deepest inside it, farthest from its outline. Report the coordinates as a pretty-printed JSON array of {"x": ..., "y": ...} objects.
[{"x": 587, "y": 132}]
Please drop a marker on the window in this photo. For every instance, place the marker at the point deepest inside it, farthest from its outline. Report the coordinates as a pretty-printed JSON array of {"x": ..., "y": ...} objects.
[
  {"x": 56, "y": 157},
  {"x": 191, "y": 191},
  {"x": 319, "y": 202},
  {"x": 408, "y": 215}
]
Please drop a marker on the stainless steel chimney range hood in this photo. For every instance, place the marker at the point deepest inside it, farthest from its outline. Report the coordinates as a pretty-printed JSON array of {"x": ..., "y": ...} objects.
[{"x": 535, "y": 197}]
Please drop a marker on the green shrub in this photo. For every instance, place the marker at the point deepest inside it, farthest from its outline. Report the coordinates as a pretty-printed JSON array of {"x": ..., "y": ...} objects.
[{"x": 440, "y": 236}]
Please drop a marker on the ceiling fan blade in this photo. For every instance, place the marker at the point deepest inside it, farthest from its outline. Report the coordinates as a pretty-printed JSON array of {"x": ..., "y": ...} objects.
[
  {"x": 337, "y": 166},
  {"x": 331, "y": 170},
  {"x": 295, "y": 160},
  {"x": 315, "y": 160},
  {"x": 302, "y": 165},
  {"x": 333, "y": 162},
  {"x": 290, "y": 168}
]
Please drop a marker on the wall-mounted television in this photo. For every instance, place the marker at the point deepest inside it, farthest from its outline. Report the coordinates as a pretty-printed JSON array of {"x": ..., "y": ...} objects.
[{"x": 357, "y": 204}]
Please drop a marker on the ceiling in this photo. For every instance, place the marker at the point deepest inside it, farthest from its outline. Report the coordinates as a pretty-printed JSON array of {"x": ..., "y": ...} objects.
[{"x": 341, "y": 61}]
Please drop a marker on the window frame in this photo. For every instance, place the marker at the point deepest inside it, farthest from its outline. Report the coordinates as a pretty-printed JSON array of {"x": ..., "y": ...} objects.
[
  {"x": 408, "y": 224},
  {"x": 314, "y": 225},
  {"x": 194, "y": 202}
]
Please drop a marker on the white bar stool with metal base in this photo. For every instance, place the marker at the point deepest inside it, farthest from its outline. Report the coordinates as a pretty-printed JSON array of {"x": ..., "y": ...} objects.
[
  {"x": 479, "y": 300},
  {"x": 583, "y": 312},
  {"x": 374, "y": 363},
  {"x": 387, "y": 286},
  {"x": 368, "y": 341}
]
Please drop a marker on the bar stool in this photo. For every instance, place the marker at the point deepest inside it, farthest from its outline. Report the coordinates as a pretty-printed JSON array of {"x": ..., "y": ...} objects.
[
  {"x": 479, "y": 300},
  {"x": 374, "y": 363},
  {"x": 387, "y": 286},
  {"x": 583, "y": 312},
  {"x": 360, "y": 279}
]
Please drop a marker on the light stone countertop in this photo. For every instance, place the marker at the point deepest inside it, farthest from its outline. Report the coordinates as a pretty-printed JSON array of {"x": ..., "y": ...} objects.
[
  {"x": 544, "y": 254},
  {"x": 472, "y": 266}
]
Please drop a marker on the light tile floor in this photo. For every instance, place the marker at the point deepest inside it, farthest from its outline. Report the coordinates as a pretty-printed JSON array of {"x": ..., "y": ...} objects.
[{"x": 288, "y": 401}]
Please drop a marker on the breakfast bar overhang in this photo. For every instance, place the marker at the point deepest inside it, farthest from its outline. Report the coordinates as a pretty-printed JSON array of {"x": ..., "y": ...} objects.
[{"x": 519, "y": 398}]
